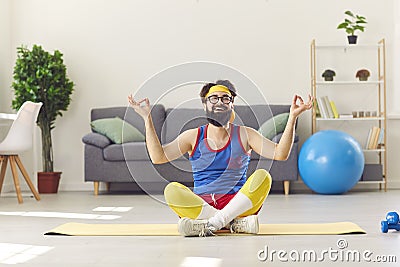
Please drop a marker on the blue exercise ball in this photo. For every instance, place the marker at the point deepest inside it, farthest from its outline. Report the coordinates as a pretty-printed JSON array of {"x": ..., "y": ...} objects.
[{"x": 331, "y": 162}]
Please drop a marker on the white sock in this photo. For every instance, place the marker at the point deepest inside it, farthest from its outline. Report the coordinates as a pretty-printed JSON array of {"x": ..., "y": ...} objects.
[
  {"x": 207, "y": 211},
  {"x": 238, "y": 205}
]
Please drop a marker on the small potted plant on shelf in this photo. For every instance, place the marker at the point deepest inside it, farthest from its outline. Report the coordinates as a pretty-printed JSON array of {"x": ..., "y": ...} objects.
[
  {"x": 363, "y": 74},
  {"x": 351, "y": 24},
  {"x": 41, "y": 77},
  {"x": 328, "y": 75}
]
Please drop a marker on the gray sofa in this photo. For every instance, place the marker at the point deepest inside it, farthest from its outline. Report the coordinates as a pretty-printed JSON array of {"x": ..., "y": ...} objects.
[{"x": 127, "y": 165}]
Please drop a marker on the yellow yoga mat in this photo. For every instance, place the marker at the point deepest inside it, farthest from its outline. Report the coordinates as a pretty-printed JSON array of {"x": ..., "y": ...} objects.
[{"x": 84, "y": 229}]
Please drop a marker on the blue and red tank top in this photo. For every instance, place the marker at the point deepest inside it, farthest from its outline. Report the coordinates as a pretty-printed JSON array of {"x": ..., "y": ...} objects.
[{"x": 221, "y": 171}]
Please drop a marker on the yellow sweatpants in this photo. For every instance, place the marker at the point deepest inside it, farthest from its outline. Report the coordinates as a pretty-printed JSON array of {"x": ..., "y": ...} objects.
[{"x": 185, "y": 203}]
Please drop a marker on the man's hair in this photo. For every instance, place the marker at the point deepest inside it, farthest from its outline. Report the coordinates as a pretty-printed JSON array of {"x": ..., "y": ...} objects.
[{"x": 225, "y": 83}]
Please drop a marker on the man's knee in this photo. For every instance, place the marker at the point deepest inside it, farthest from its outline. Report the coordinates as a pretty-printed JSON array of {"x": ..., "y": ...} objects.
[
  {"x": 182, "y": 200},
  {"x": 172, "y": 188},
  {"x": 177, "y": 194},
  {"x": 257, "y": 186},
  {"x": 260, "y": 180}
]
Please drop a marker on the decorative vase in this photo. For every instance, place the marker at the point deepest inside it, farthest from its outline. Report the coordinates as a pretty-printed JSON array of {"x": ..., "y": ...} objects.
[
  {"x": 352, "y": 39},
  {"x": 48, "y": 182}
]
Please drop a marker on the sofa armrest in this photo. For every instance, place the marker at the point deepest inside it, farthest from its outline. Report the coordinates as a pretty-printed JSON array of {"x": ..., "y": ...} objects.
[
  {"x": 278, "y": 137},
  {"x": 96, "y": 139}
]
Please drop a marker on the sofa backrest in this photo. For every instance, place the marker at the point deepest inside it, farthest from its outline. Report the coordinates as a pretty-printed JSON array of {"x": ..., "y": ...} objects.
[
  {"x": 179, "y": 120},
  {"x": 129, "y": 115},
  {"x": 254, "y": 116},
  {"x": 171, "y": 122}
]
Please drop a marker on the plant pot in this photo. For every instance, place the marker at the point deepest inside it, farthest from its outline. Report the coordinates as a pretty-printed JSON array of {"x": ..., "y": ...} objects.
[
  {"x": 328, "y": 79},
  {"x": 352, "y": 39},
  {"x": 48, "y": 182},
  {"x": 363, "y": 79}
]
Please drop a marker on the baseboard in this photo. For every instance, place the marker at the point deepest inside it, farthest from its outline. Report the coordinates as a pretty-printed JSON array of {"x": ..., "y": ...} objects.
[
  {"x": 299, "y": 186},
  {"x": 87, "y": 186},
  {"x": 296, "y": 186},
  {"x": 394, "y": 184},
  {"x": 62, "y": 187},
  {"x": 10, "y": 187}
]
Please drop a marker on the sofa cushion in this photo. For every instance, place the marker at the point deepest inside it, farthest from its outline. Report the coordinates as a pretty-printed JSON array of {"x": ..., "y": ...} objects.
[
  {"x": 129, "y": 115},
  {"x": 117, "y": 130},
  {"x": 96, "y": 139},
  {"x": 127, "y": 151},
  {"x": 274, "y": 125}
]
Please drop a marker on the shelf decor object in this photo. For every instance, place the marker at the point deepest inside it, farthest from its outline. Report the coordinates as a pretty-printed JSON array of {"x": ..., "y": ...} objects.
[
  {"x": 363, "y": 75},
  {"x": 328, "y": 75}
]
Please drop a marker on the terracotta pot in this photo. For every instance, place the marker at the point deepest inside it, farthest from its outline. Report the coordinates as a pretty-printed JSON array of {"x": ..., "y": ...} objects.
[{"x": 48, "y": 182}]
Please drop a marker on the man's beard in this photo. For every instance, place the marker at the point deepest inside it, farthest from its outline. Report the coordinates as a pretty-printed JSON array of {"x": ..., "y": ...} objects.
[{"x": 219, "y": 118}]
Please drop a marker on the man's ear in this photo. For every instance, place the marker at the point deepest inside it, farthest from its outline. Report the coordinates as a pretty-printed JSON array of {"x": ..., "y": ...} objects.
[{"x": 233, "y": 115}]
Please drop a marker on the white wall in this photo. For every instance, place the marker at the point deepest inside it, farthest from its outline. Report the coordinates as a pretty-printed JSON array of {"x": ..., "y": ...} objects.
[
  {"x": 5, "y": 54},
  {"x": 394, "y": 104},
  {"x": 5, "y": 68},
  {"x": 112, "y": 47}
]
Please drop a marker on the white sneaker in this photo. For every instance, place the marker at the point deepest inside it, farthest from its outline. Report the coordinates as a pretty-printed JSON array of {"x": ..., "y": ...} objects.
[
  {"x": 248, "y": 225},
  {"x": 190, "y": 227}
]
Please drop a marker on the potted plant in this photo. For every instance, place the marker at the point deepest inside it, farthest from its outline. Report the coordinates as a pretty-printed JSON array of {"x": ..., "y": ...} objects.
[
  {"x": 328, "y": 75},
  {"x": 363, "y": 74},
  {"x": 41, "y": 77},
  {"x": 351, "y": 24}
]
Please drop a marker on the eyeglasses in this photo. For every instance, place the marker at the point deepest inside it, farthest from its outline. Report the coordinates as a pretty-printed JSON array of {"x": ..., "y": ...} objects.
[{"x": 213, "y": 99}]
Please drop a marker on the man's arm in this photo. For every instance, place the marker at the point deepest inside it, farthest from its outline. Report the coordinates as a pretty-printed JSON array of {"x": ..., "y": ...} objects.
[
  {"x": 280, "y": 151},
  {"x": 283, "y": 148},
  {"x": 161, "y": 154},
  {"x": 165, "y": 153}
]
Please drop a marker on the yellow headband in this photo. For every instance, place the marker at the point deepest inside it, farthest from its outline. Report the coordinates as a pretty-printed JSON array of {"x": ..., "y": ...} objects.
[{"x": 218, "y": 88}]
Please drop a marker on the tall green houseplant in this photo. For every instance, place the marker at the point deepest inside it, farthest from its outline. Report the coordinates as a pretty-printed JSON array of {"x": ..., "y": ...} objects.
[{"x": 41, "y": 77}]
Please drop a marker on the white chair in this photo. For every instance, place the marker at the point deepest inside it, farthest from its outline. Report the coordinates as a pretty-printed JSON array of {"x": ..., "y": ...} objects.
[{"x": 19, "y": 139}]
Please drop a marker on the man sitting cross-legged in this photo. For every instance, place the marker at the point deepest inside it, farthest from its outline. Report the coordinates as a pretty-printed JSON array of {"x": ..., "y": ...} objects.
[{"x": 219, "y": 153}]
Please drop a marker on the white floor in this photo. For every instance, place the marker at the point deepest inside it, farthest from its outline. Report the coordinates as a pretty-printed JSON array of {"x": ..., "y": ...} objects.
[{"x": 22, "y": 228}]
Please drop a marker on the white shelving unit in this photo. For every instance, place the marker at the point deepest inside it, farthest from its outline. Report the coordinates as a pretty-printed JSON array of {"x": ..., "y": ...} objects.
[{"x": 349, "y": 94}]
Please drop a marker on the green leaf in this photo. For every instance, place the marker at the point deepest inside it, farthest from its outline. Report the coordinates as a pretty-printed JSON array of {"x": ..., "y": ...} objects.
[
  {"x": 349, "y": 13},
  {"x": 359, "y": 28},
  {"x": 350, "y": 31}
]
